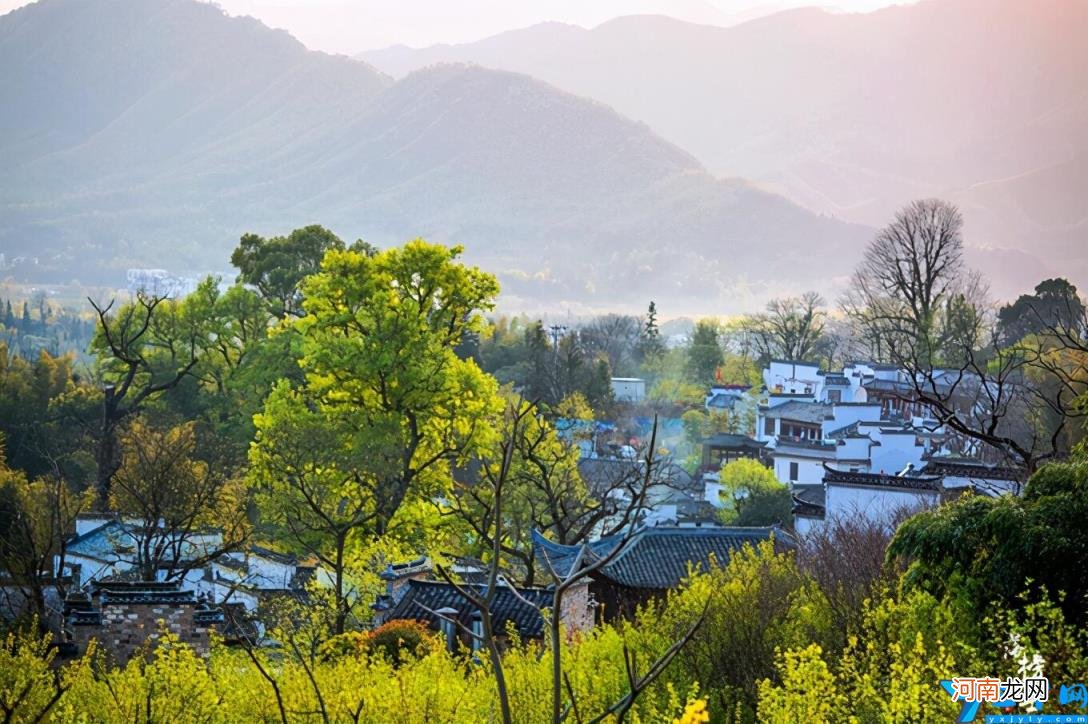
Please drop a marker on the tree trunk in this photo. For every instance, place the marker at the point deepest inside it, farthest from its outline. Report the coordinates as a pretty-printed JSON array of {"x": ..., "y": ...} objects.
[
  {"x": 107, "y": 456},
  {"x": 557, "y": 662},
  {"x": 341, "y": 604}
]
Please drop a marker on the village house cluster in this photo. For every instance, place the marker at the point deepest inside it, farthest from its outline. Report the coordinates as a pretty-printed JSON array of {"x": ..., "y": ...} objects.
[
  {"x": 854, "y": 443},
  {"x": 850, "y": 443}
]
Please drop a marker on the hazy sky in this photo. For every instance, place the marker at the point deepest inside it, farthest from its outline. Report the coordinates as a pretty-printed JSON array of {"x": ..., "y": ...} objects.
[{"x": 351, "y": 26}]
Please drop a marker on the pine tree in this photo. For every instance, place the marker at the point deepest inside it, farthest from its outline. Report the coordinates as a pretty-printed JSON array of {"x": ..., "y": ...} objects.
[
  {"x": 652, "y": 332},
  {"x": 9, "y": 316},
  {"x": 599, "y": 388},
  {"x": 24, "y": 325},
  {"x": 704, "y": 352},
  {"x": 651, "y": 344}
]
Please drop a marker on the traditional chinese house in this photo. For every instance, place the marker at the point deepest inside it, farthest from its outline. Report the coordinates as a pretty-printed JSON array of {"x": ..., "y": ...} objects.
[{"x": 654, "y": 560}]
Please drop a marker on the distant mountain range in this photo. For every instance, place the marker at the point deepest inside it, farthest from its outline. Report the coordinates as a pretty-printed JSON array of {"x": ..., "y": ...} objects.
[
  {"x": 156, "y": 132},
  {"x": 984, "y": 102}
]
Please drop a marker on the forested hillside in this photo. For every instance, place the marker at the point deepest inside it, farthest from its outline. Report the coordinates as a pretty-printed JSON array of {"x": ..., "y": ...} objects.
[{"x": 168, "y": 161}]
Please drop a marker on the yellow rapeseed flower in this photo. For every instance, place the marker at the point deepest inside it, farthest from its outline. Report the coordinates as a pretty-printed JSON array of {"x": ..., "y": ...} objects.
[{"x": 694, "y": 713}]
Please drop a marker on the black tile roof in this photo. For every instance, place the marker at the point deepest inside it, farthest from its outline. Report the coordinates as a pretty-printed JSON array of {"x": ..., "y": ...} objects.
[
  {"x": 888, "y": 386},
  {"x": 602, "y": 475},
  {"x": 809, "y": 500},
  {"x": 116, "y": 591},
  {"x": 798, "y": 362},
  {"x": 85, "y": 618},
  {"x": 656, "y": 557},
  {"x": 882, "y": 366},
  {"x": 419, "y": 598},
  {"x": 393, "y": 571},
  {"x": 845, "y": 431},
  {"x": 733, "y": 442},
  {"x": 876, "y": 480},
  {"x": 967, "y": 468},
  {"x": 804, "y": 509},
  {"x": 289, "y": 559},
  {"x": 799, "y": 411},
  {"x": 722, "y": 401},
  {"x": 804, "y": 443}
]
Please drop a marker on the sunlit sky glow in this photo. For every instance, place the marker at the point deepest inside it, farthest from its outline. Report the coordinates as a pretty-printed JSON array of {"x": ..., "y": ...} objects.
[{"x": 351, "y": 26}]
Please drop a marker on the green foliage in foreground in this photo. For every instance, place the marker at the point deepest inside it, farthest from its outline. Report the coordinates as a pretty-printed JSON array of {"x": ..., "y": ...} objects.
[
  {"x": 986, "y": 550},
  {"x": 767, "y": 652},
  {"x": 176, "y": 685}
]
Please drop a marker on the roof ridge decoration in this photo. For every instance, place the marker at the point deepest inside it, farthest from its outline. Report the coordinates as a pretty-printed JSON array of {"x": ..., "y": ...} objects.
[
  {"x": 843, "y": 431},
  {"x": 933, "y": 483},
  {"x": 973, "y": 469},
  {"x": 807, "y": 508},
  {"x": 522, "y": 606},
  {"x": 656, "y": 557}
]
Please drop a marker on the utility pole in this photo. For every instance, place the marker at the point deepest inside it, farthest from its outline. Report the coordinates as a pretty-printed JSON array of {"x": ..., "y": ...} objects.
[{"x": 557, "y": 331}]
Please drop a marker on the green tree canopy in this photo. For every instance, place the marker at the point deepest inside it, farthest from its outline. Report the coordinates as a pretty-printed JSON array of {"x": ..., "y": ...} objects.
[
  {"x": 36, "y": 518},
  {"x": 176, "y": 498},
  {"x": 704, "y": 352},
  {"x": 991, "y": 550},
  {"x": 1054, "y": 305},
  {"x": 277, "y": 266},
  {"x": 754, "y": 495},
  {"x": 386, "y": 407}
]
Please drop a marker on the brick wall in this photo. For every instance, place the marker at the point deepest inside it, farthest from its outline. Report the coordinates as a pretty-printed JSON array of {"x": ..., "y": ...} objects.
[
  {"x": 124, "y": 628},
  {"x": 395, "y": 585}
]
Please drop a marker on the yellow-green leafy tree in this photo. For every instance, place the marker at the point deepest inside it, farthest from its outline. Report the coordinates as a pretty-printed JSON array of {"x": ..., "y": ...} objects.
[
  {"x": 387, "y": 407},
  {"x": 757, "y": 604},
  {"x": 177, "y": 499},
  {"x": 36, "y": 517},
  {"x": 753, "y": 495}
]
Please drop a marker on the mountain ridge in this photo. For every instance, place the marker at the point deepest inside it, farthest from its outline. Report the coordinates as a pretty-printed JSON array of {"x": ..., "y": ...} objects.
[
  {"x": 848, "y": 114},
  {"x": 568, "y": 201}
]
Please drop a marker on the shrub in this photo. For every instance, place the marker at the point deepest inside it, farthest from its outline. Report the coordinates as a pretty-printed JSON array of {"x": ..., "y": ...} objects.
[
  {"x": 349, "y": 643},
  {"x": 396, "y": 639}
]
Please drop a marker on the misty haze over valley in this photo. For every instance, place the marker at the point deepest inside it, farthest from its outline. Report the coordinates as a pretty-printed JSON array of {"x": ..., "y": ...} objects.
[{"x": 719, "y": 166}]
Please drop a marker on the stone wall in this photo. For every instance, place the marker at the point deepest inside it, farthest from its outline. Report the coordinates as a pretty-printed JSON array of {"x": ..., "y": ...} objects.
[
  {"x": 126, "y": 619},
  {"x": 579, "y": 609}
]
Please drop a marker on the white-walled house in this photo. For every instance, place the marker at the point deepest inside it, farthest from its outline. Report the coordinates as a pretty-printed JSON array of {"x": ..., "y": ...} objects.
[
  {"x": 628, "y": 389},
  {"x": 837, "y": 387},
  {"x": 959, "y": 473},
  {"x": 845, "y": 414},
  {"x": 104, "y": 548},
  {"x": 794, "y": 416},
  {"x": 857, "y": 442},
  {"x": 793, "y": 377},
  {"x": 246, "y": 577},
  {"x": 878, "y": 497},
  {"x": 884, "y": 499},
  {"x": 896, "y": 449},
  {"x": 801, "y": 462}
]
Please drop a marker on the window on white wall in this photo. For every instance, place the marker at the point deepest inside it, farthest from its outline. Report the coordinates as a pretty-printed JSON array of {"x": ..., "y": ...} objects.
[{"x": 793, "y": 472}]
